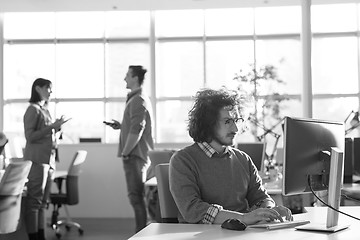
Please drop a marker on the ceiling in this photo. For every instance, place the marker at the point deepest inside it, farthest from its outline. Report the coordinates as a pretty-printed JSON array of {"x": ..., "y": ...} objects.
[{"x": 106, "y": 5}]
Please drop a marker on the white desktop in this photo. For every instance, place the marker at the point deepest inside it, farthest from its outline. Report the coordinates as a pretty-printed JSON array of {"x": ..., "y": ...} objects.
[{"x": 167, "y": 231}]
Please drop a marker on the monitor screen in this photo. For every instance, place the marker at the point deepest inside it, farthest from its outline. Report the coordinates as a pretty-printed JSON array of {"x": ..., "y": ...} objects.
[
  {"x": 90, "y": 140},
  {"x": 348, "y": 160},
  {"x": 307, "y": 147},
  {"x": 356, "y": 160},
  {"x": 256, "y": 150}
]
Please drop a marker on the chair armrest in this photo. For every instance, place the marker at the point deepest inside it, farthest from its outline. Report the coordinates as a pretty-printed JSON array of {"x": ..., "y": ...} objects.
[
  {"x": 59, "y": 177},
  {"x": 59, "y": 181}
]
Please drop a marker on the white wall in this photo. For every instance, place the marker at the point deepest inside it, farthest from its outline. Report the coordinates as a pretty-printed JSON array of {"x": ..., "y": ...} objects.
[{"x": 102, "y": 181}]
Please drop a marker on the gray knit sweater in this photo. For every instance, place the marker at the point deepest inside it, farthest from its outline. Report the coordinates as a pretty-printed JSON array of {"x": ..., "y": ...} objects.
[{"x": 197, "y": 181}]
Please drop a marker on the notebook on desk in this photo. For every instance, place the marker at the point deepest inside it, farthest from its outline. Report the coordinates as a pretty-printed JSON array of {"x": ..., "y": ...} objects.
[{"x": 278, "y": 225}]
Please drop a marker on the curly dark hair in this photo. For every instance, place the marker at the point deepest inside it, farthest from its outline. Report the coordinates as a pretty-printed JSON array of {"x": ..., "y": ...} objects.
[{"x": 204, "y": 115}]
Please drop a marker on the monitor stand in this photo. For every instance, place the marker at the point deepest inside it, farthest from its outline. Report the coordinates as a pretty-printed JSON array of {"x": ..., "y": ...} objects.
[{"x": 334, "y": 192}]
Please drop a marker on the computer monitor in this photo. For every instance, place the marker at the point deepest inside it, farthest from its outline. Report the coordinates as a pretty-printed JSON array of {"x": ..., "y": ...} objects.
[
  {"x": 313, "y": 160},
  {"x": 256, "y": 150},
  {"x": 348, "y": 160},
  {"x": 90, "y": 140},
  {"x": 356, "y": 156}
]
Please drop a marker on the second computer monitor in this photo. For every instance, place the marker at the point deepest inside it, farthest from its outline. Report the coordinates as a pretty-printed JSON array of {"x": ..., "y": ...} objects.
[
  {"x": 307, "y": 144},
  {"x": 256, "y": 150},
  {"x": 356, "y": 149},
  {"x": 348, "y": 160}
]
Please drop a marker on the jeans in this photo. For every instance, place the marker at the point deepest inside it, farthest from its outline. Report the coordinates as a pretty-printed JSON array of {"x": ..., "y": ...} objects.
[{"x": 135, "y": 174}]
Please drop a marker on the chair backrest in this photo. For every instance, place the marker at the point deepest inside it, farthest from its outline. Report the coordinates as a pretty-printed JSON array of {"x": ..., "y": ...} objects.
[
  {"x": 168, "y": 208},
  {"x": 14, "y": 148},
  {"x": 158, "y": 156},
  {"x": 14, "y": 178},
  {"x": 72, "y": 178},
  {"x": 11, "y": 189},
  {"x": 3, "y": 142}
]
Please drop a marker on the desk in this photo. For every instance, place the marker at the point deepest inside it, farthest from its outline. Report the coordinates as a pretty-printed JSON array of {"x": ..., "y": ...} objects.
[
  {"x": 352, "y": 189},
  {"x": 168, "y": 231},
  {"x": 152, "y": 182}
]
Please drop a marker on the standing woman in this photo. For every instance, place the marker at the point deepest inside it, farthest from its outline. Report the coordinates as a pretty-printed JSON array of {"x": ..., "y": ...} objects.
[{"x": 40, "y": 149}]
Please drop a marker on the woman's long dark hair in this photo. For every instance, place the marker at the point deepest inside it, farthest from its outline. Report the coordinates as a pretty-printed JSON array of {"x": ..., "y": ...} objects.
[{"x": 35, "y": 96}]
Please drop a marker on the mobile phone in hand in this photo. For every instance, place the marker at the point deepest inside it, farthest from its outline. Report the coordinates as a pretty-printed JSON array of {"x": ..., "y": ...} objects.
[{"x": 108, "y": 123}]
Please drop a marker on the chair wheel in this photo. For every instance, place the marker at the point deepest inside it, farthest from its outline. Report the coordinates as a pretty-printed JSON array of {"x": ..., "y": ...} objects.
[
  {"x": 81, "y": 232},
  {"x": 58, "y": 235},
  {"x": 67, "y": 228}
]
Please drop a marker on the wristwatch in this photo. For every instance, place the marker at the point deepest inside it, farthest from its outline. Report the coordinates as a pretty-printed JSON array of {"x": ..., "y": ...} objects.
[{"x": 125, "y": 157}]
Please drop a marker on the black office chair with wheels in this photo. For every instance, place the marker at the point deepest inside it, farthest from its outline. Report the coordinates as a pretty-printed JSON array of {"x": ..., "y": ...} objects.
[{"x": 70, "y": 197}]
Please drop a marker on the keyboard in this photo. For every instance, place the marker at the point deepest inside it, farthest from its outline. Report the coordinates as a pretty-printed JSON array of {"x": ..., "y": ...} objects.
[{"x": 278, "y": 225}]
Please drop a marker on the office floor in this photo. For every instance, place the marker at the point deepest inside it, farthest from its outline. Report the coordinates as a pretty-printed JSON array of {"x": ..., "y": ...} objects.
[{"x": 98, "y": 228}]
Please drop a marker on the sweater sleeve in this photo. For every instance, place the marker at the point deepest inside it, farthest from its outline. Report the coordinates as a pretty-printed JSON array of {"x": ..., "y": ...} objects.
[
  {"x": 185, "y": 190},
  {"x": 256, "y": 191}
]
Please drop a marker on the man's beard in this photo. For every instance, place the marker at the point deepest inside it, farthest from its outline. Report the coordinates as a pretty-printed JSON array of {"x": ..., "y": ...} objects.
[{"x": 223, "y": 142}]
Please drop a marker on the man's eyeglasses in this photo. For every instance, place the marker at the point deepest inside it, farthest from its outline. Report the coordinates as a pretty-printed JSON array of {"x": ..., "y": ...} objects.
[{"x": 230, "y": 121}]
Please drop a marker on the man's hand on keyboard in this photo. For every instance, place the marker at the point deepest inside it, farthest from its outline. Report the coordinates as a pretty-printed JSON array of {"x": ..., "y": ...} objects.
[
  {"x": 261, "y": 214},
  {"x": 284, "y": 212}
]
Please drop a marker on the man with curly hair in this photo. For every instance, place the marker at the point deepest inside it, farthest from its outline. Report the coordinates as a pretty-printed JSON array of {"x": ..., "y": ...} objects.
[{"x": 210, "y": 180}]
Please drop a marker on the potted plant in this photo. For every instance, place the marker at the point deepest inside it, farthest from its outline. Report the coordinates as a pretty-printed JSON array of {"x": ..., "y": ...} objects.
[{"x": 260, "y": 84}]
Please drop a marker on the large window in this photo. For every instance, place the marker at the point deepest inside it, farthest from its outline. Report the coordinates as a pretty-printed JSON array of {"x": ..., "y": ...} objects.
[
  {"x": 335, "y": 56},
  {"x": 86, "y": 55}
]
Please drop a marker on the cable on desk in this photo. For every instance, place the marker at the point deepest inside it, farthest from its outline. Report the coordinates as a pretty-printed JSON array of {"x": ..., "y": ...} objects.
[{"x": 337, "y": 210}]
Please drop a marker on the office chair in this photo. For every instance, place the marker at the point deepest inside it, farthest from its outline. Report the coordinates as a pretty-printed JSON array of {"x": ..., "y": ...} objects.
[
  {"x": 13, "y": 149},
  {"x": 168, "y": 208},
  {"x": 11, "y": 188},
  {"x": 70, "y": 197},
  {"x": 157, "y": 156}
]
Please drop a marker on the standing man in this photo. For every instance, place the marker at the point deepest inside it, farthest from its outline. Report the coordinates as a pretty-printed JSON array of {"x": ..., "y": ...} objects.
[
  {"x": 210, "y": 180},
  {"x": 135, "y": 141}
]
